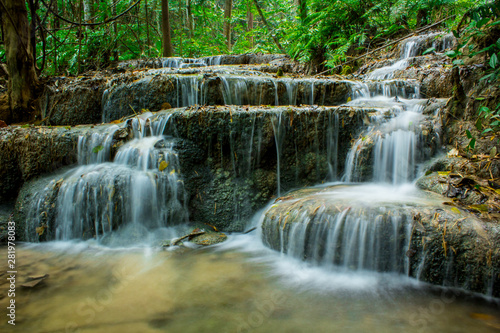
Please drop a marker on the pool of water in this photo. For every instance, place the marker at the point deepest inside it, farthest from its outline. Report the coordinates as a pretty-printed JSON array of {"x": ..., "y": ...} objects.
[{"x": 238, "y": 286}]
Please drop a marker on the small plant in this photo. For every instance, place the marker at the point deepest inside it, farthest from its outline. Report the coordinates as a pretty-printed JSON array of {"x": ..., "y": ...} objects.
[{"x": 484, "y": 20}]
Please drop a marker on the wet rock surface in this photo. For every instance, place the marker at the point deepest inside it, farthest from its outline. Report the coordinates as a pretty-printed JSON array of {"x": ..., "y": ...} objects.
[
  {"x": 238, "y": 79},
  {"x": 239, "y": 59},
  {"x": 72, "y": 101},
  {"x": 26, "y": 153},
  {"x": 229, "y": 158},
  {"x": 418, "y": 236},
  {"x": 227, "y": 155}
]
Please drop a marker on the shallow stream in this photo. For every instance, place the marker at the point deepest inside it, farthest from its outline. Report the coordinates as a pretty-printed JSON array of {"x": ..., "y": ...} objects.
[{"x": 238, "y": 286}]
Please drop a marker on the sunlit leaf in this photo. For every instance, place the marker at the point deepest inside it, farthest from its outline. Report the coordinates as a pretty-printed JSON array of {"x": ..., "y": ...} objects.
[
  {"x": 163, "y": 165},
  {"x": 493, "y": 61}
]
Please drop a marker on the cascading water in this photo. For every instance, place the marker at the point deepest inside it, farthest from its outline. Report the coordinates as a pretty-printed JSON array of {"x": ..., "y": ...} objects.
[
  {"x": 141, "y": 186},
  {"x": 128, "y": 179},
  {"x": 362, "y": 227}
]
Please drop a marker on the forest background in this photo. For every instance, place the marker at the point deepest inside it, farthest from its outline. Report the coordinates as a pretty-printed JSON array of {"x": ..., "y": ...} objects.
[{"x": 69, "y": 37}]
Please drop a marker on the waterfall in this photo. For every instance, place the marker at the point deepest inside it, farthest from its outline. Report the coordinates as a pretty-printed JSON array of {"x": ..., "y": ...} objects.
[
  {"x": 279, "y": 135},
  {"x": 361, "y": 227},
  {"x": 391, "y": 143},
  {"x": 141, "y": 185},
  {"x": 339, "y": 227}
]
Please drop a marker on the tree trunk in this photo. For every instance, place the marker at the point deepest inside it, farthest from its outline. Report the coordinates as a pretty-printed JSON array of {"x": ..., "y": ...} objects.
[
  {"x": 250, "y": 23},
  {"x": 80, "y": 36},
  {"x": 190, "y": 19},
  {"x": 147, "y": 27},
  {"x": 20, "y": 62},
  {"x": 165, "y": 28},
  {"x": 275, "y": 39},
  {"x": 302, "y": 10},
  {"x": 32, "y": 8},
  {"x": 228, "y": 6},
  {"x": 115, "y": 31},
  {"x": 56, "y": 25},
  {"x": 181, "y": 25},
  {"x": 87, "y": 11}
]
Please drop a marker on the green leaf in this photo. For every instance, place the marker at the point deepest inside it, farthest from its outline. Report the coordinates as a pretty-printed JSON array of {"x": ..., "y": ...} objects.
[
  {"x": 494, "y": 61},
  {"x": 97, "y": 149},
  {"x": 458, "y": 62},
  {"x": 452, "y": 54},
  {"x": 472, "y": 143},
  {"x": 484, "y": 109},
  {"x": 488, "y": 77},
  {"x": 429, "y": 50},
  {"x": 479, "y": 124},
  {"x": 469, "y": 135},
  {"x": 487, "y": 130},
  {"x": 482, "y": 22},
  {"x": 456, "y": 34}
]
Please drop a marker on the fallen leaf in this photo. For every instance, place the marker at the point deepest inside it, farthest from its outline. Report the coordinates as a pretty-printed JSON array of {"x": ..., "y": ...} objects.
[
  {"x": 163, "y": 165},
  {"x": 40, "y": 230},
  {"x": 480, "y": 208}
]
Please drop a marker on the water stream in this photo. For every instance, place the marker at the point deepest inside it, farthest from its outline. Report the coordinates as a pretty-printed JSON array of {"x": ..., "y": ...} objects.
[
  {"x": 238, "y": 287},
  {"x": 341, "y": 265}
]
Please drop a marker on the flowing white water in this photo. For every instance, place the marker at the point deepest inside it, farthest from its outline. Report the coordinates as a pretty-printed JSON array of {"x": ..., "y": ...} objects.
[
  {"x": 279, "y": 135},
  {"x": 142, "y": 186},
  {"x": 370, "y": 227},
  {"x": 353, "y": 278}
]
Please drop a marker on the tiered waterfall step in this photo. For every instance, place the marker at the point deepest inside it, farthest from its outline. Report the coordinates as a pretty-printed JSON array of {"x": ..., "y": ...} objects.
[{"x": 388, "y": 229}]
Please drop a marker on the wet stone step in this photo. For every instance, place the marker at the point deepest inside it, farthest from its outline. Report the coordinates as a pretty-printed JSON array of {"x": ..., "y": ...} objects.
[
  {"x": 177, "y": 62},
  {"x": 95, "y": 100},
  {"x": 387, "y": 229},
  {"x": 229, "y": 162}
]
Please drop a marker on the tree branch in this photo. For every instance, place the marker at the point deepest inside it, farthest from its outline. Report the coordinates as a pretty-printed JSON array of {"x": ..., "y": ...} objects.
[{"x": 91, "y": 24}]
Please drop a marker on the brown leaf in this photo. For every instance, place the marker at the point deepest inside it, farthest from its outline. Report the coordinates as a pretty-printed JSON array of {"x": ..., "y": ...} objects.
[{"x": 40, "y": 230}]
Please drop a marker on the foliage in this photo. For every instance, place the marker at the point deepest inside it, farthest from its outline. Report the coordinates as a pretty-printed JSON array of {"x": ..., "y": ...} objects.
[
  {"x": 328, "y": 32},
  {"x": 340, "y": 29},
  {"x": 480, "y": 37}
]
